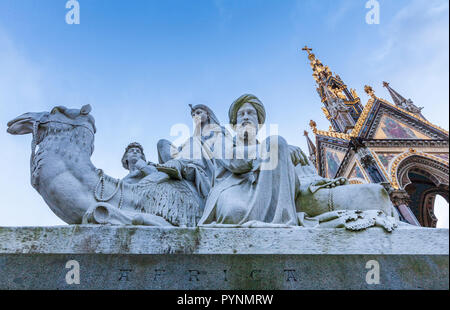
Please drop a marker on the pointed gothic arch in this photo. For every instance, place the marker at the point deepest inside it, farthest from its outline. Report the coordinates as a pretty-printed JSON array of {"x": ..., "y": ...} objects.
[{"x": 424, "y": 177}]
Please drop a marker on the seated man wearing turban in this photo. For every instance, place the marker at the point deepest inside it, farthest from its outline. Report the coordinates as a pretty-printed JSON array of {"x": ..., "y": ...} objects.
[{"x": 258, "y": 185}]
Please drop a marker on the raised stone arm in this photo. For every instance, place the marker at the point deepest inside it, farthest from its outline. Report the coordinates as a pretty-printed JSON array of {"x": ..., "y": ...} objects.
[{"x": 166, "y": 151}]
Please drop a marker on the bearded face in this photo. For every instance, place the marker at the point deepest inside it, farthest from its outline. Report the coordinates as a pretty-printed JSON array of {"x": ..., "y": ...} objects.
[{"x": 247, "y": 122}]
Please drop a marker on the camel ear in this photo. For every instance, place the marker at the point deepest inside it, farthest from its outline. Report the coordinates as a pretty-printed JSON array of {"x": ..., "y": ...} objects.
[{"x": 86, "y": 109}]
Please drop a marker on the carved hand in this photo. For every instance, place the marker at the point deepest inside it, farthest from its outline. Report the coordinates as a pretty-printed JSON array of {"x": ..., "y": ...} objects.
[
  {"x": 297, "y": 156},
  {"x": 329, "y": 183},
  {"x": 140, "y": 164}
]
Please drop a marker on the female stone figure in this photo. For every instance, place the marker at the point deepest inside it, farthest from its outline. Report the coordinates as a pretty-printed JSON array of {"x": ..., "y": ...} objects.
[
  {"x": 207, "y": 132},
  {"x": 193, "y": 161}
]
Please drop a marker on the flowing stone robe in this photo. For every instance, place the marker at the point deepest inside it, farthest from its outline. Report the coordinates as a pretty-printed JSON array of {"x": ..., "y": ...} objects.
[
  {"x": 194, "y": 160},
  {"x": 254, "y": 192}
]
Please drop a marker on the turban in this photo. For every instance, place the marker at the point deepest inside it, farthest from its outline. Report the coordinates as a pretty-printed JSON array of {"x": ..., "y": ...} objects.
[{"x": 254, "y": 101}]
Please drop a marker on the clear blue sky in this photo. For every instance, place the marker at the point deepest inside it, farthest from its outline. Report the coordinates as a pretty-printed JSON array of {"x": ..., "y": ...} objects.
[{"x": 140, "y": 63}]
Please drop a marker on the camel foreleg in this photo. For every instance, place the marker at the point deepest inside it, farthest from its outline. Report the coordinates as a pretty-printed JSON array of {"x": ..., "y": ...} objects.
[{"x": 106, "y": 214}]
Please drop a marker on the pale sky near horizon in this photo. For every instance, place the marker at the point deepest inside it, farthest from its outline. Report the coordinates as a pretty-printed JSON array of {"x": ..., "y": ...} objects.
[{"x": 140, "y": 63}]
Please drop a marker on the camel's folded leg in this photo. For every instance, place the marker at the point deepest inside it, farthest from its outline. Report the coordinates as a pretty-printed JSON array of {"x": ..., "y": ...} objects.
[
  {"x": 146, "y": 219},
  {"x": 104, "y": 213}
]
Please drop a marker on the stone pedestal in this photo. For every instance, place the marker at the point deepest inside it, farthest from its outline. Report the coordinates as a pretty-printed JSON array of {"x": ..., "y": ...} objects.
[{"x": 110, "y": 257}]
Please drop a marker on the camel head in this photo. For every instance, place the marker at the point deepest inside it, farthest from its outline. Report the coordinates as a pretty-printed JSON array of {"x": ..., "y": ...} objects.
[{"x": 24, "y": 123}]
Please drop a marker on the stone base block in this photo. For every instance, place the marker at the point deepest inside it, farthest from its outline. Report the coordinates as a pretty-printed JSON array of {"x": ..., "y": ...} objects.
[{"x": 108, "y": 257}]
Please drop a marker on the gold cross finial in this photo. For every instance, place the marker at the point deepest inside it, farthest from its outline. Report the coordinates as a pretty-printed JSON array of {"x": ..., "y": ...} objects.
[{"x": 307, "y": 49}]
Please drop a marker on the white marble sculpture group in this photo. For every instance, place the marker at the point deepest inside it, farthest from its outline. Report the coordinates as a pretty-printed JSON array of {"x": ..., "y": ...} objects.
[{"x": 215, "y": 179}]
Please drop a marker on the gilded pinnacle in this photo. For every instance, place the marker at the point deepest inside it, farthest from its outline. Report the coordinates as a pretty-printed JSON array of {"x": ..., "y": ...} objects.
[{"x": 369, "y": 90}]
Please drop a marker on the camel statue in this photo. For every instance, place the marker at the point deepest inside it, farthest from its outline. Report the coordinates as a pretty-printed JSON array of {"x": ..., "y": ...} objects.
[{"x": 79, "y": 193}]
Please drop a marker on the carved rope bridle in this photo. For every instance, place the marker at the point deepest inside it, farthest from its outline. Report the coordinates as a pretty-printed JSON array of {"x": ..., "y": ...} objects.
[{"x": 36, "y": 125}]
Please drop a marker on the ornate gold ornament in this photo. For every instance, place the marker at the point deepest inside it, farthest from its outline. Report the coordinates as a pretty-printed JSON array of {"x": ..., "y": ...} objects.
[
  {"x": 362, "y": 118},
  {"x": 354, "y": 93},
  {"x": 325, "y": 111},
  {"x": 313, "y": 126},
  {"x": 369, "y": 90}
]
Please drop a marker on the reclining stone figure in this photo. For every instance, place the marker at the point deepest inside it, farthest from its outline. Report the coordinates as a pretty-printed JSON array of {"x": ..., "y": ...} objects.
[{"x": 336, "y": 204}]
